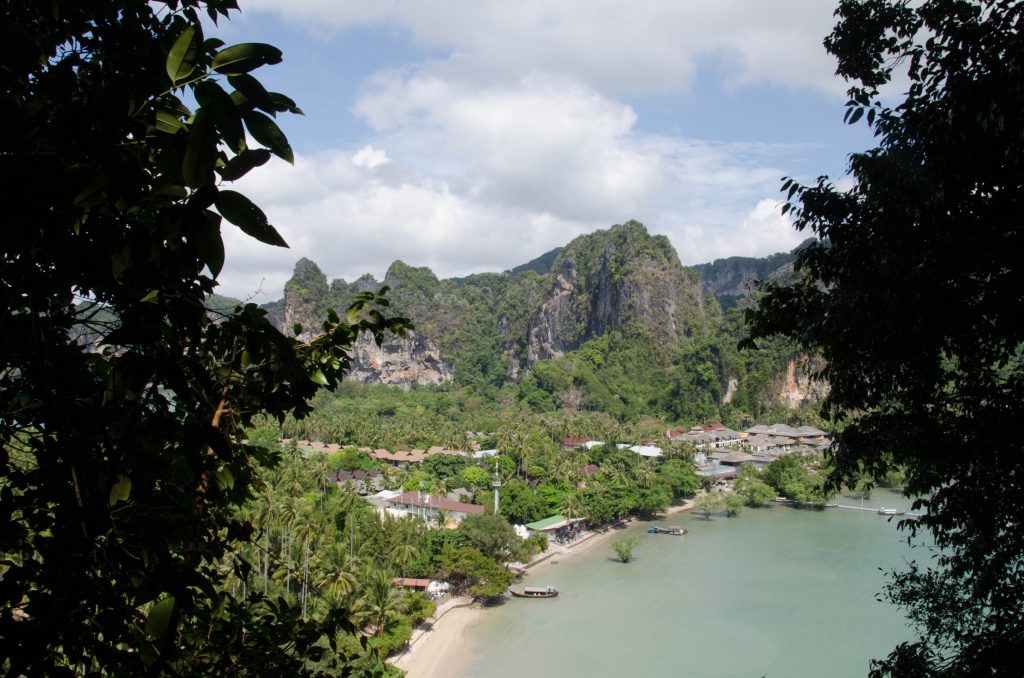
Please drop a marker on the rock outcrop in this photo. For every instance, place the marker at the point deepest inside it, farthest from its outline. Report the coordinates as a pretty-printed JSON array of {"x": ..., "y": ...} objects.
[
  {"x": 731, "y": 278},
  {"x": 796, "y": 386},
  {"x": 398, "y": 361},
  {"x": 621, "y": 279}
]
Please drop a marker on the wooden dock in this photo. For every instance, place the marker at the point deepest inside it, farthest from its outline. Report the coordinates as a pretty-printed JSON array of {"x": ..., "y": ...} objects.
[{"x": 879, "y": 510}]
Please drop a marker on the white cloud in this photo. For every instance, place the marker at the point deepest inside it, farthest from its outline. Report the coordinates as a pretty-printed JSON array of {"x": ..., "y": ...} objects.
[
  {"x": 370, "y": 157},
  {"x": 484, "y": 180},
  {"x": 640, "y": 46},
  {"x": 517, "y": 136}
]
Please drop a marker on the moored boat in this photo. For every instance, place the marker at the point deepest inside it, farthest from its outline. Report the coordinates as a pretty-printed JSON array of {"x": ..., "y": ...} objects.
[
  {"x": 671, "y": 529},
  {"x": 535, "y": 592}
]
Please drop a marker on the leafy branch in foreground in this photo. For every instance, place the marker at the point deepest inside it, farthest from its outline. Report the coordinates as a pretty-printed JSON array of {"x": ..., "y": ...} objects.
[{"x": 123, "y": 458}]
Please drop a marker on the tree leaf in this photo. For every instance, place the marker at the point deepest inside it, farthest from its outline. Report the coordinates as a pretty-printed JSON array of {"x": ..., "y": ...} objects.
[
  {"x": 319, "y": 378},
  {"x": 201, "y": 151},
  {"x": 184, "y": 54},
  {"x": 225, "y": 479},
  {"x": 210, "y": 244},
  {"x": 239, "y": 166},
  {"x": 168, "y": 121},
  {"x": 243, "y": 213},
  {"x": 245, "y": 57},
  {"x": 254, "y": 91},
  {"x": 266, "y": 131},
  {"x": 285, "y": 104},
  {"x": 121, "y": 490},
  {"x": 159, "y": 617},
  {"x": 225, "y": 114}
]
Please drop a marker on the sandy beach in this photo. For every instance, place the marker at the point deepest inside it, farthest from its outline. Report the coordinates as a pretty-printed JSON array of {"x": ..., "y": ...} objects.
[{"x": 438, "y": 647}]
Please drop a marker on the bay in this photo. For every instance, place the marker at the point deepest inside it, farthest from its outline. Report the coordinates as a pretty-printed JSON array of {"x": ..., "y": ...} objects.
[{"x": 774, "y": 592}]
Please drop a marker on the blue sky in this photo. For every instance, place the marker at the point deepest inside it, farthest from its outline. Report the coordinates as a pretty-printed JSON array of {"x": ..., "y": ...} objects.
[{"x": 472, "y": 136}]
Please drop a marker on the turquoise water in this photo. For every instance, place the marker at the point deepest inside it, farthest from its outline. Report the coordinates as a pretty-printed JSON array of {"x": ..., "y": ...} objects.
[{"x": 774, "y": 592}]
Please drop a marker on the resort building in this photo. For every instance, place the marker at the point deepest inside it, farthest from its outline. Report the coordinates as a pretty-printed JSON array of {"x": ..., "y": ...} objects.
[
  {"x": 557, "y": 527},
  {"x": 711, "y": 436},
  {"x": 427, "y": 505},
  {"x": 365, "y": 482},
  {"x": 402, "y": 458}
]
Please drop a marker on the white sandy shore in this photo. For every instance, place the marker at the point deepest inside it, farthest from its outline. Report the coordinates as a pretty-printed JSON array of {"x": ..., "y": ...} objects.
[{"x": 439, "y": 648}]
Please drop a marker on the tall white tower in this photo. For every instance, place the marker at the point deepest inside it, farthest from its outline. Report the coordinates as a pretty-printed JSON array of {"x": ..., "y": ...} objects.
[{"x": 496, "y": 484}]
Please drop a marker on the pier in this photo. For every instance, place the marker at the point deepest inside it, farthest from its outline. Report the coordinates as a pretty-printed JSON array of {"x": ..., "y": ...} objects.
[{"x": 880, "y": 510}]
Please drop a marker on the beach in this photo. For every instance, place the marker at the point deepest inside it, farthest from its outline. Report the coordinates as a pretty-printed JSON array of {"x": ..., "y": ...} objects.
[{"x": 438, "y": 646}]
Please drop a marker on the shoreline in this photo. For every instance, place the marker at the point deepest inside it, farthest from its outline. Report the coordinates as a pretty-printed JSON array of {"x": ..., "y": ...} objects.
[{"x": 438, "y": 645}]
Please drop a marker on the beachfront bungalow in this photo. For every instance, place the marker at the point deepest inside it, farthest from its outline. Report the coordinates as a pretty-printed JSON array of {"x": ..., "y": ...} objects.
[
  {"x": 411, "y": 583},
  {"x": 733, "y": 458},
  {"x": 570, "y": 443},
  {"x": 382, "y": 502},
  {"x": 557, "y": 527},
  {"x": 364, "y": 482},
  {"x": 426, "y": 506},
  {"x": 712, "y": 436},
  {"x": 649, "y": 451},
  {"x": 402, "y": 458}
]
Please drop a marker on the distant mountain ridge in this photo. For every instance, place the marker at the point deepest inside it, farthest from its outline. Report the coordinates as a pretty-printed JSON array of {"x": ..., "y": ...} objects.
[{"x": 492, "y": 328}]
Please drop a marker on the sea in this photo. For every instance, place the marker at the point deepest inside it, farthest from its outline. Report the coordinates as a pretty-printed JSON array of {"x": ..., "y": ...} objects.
[{"x": 775, "y": 592}]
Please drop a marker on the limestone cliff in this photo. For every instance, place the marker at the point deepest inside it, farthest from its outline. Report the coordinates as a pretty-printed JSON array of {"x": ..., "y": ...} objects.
[
  {"x": 621, "y": 279},
  {"x": 796, "y": 387},
  {"x": 400, "y": 361},
  {"x": 731, "y": 278}
]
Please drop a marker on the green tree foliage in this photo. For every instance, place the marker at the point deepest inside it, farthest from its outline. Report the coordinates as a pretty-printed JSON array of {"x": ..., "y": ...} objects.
[
  {"x": 474, "y": 477},
  {"x": 493, "y": 536},
  {"x": 623, "y": 548},
  {"x": 912, "y": 295},
  {"x": 733, "y": 504},
  {"x": 444, "y": 465},
  {"x": 467, "y": 568},
  {"x": 124, "y": 458},
  {"x": 708, "y": 503},
  {"x": 752, "y": 488},
  {"x": 791, "y": 476}
]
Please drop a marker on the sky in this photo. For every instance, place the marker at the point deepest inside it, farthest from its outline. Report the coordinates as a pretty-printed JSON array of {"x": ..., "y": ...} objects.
[{"x": 474, "y": 135}]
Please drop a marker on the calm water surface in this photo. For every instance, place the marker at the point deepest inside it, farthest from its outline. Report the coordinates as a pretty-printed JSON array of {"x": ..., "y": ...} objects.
[{"x": 774, "y": 592}]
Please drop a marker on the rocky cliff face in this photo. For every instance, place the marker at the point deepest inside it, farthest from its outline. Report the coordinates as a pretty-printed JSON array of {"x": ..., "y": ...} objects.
[
  {"x": 796, "y": 386},
  {"x": 734, "y": 277},
  {"x": 486, "y": 329},
  {"x": 622, "y": 280},
  {"x": 399, "y": 361}
]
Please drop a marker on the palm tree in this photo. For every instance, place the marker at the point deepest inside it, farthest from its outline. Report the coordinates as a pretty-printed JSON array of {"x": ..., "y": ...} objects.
[
  {"x": 287, "y": 516},
  {"x": 441, "y": 517},
  {"x": 339, "y": 582},
  {"x": 269, "y": 506},
  {"x": 347, "y": 504},
  {"x": 305, "y": 531},
  {"x": 322, "y": 471},
  {"x": 404, "y": 554},
  {"x": 572, "y": 506},
  {"x": 645, "y": 474},
  {"x": 379, "y": 602}
]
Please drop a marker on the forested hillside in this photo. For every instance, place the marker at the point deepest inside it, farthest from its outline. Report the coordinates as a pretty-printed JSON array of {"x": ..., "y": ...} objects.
[{"x": 612, "y": 323}]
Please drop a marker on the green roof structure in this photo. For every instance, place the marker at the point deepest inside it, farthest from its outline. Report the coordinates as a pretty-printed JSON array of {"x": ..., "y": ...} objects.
[{"x": 547, "y": 523}]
